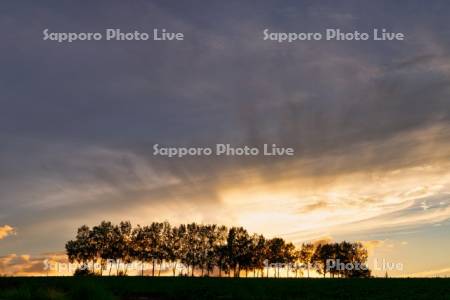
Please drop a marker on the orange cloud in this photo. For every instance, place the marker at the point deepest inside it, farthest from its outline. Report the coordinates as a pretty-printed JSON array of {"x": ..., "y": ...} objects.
[
  {"x": 5, "y": 231},
  {"x": 26, "y": 265},
  {"x": 322, "y": 241},
  {"x": 370, "y": 245},
  {"x": 314, "y": 206}
]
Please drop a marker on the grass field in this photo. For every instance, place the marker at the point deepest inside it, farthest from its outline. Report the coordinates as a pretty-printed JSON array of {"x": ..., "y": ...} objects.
[{"x": 143, "y": 288}]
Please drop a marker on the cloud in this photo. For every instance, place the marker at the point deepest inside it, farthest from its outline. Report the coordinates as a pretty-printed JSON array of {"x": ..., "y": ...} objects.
[
  {"x": 371, "y": 245},
  {"x": 27, "y": 265},
  {"x": 443, "y": 272},
  {"x": 314, "y": 206},
  {"x": 322, "y": 240},
  {"x": 5, "y": 231}
]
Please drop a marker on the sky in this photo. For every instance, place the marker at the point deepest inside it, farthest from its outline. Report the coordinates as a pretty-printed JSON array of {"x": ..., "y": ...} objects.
[{"x": 369, "y": 122}]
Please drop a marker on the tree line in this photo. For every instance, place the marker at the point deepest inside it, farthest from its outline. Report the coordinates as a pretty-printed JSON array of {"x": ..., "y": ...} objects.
[{"x": 208, "y": 250}]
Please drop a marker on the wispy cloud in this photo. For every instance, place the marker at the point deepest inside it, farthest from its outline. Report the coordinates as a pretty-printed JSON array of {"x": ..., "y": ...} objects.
[{"x": 432, "y": 273}]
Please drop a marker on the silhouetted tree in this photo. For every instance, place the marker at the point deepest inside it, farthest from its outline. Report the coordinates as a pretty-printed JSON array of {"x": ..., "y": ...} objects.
[
  {"x": 238, "y": 244},
  {"x": 125, "y": 251},
  {"x": 102, "y": 239},
  {"x": 289, "y": 256},
  {"x": 275, "y": 254},
  {"x": 322, "y": 253},
  {"x": 82, "y": 250},
  {"x": 175, "y": 247},
  {"x": 306, "y": 255},
  {"x": 141, "y": 245},
  {"x": 259, "y": 254}
]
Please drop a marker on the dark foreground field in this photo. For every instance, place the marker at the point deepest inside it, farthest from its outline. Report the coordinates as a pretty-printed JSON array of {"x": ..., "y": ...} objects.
[{"x": 220, "y": 288}]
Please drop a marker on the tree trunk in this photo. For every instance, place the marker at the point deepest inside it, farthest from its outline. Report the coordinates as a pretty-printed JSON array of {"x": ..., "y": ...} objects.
[
  {"x": 153, "y": 267},
  {"x": 101, "y": 267},
  {"x": 174, "y": 268}
]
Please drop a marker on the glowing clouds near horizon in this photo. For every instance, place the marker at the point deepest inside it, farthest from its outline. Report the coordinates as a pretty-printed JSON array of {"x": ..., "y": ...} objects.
[{"x": 329, "y": 206}]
